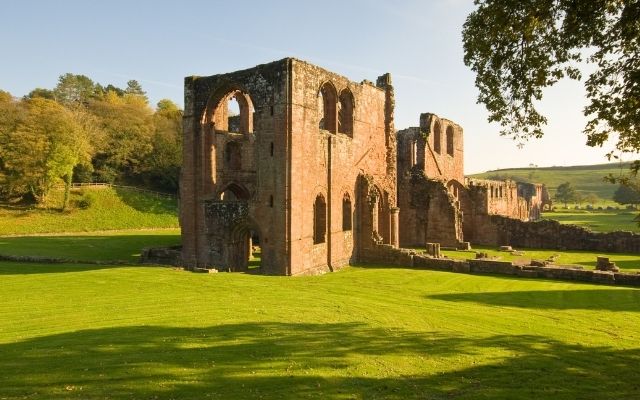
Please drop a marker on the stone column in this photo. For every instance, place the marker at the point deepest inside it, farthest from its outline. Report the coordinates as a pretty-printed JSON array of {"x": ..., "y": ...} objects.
[{"x": 395, "y": 234}]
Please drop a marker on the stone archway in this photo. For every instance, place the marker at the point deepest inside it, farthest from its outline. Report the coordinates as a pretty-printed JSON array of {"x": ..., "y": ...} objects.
[{"x": 241, "y": 247}]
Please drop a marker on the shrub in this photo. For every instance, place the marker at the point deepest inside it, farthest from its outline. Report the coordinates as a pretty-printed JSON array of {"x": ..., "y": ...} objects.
[{"x": 87, "y": 200}]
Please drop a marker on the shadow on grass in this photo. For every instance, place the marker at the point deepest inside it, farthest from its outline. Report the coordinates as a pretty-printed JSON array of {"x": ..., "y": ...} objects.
[
  {"x": 19, "y": 268},
  {"x": 146, "y": 202},
  {"x": 297, "y": 360},
  {"x": 121, "y": 247},
  {"x": 597, "y": 299}
]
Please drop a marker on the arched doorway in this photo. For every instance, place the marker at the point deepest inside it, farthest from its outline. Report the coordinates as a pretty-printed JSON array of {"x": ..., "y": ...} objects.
[{"x": 243, "y": 249}]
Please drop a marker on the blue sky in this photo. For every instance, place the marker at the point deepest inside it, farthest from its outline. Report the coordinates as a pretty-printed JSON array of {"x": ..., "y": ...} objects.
[{"x": 160, "y": 42}]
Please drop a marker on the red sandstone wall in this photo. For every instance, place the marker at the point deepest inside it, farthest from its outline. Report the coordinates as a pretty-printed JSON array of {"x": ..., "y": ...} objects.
[
  {"x": 329, "y": 164},
  {"x": 442, "y": 164},
  {"x": 205, "y": 174}
]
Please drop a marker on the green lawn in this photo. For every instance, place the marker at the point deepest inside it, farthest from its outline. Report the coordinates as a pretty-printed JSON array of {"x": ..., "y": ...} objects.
[
  {"x": 626, "y": 261},
  {"x": 112, "y": 209},
  {"x": 102, "y": 246},
  {"x": 99, "y": 332},
  {"x": 598, "y": 221}
]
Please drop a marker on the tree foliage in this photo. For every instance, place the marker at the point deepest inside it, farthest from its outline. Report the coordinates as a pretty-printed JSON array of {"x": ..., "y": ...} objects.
[
  {"x": 519, "y": 48},
  {"x": 83, "y": 131},
  {"x": 565, "y": 193},
  {"x": 44, "y": 147},
  {"x": 626, "y": 195}
]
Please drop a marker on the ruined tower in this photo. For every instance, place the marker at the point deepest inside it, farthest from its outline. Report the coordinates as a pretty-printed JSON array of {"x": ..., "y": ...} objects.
[{"x": 292, "y": 157}]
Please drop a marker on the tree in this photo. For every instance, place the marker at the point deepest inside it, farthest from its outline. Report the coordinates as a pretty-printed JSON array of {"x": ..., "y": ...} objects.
[
  {"x": 11, "y": 113},
  {"x": 45, "y": 147},
  {"x": 40, "y": 92},
  {"x": 626, "y": 195},
  {"x": 164, "y": 161},
  {"x": 74, "y": 90},
  {"x": 565, "y": 193},
  {"x": 591, "y": 198},
  {"x": 127, "y": 123},
  {"x": 134, "y": 90},
  {"x": 518, "y": 48}
]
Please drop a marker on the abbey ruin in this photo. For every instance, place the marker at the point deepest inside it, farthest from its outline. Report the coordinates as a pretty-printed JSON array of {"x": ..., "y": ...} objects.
[{"x": 312, "y": 169}]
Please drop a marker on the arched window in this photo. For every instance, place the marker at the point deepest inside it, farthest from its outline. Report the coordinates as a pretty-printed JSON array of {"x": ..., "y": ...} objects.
[
  {"x": 414, "y": 153},
  {"x": 327, "y": 100},
  {"x": 345, "y": 113},
  {"x": 437, "y": 139},
  {"x": 346, "y": 212},
  {"x": 233, "y": 113},
  {"x": 450, "y": 141},
  {"x": 319, "y": 219},
  {"x": 235, "y": 192}
]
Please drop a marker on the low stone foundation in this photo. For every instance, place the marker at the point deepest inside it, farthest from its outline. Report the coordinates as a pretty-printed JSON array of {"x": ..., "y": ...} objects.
[
  {"x": 161, "y": 255},
  {"x": 385, "y": 254}
]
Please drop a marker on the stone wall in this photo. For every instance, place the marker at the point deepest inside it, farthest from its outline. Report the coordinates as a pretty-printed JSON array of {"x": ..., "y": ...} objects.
[
  {"x": 292, "y": 161},
  {"x": 388, "y": 255},
  {"x": 548, "y": 234},
  {"x": 429, "y": 212}
]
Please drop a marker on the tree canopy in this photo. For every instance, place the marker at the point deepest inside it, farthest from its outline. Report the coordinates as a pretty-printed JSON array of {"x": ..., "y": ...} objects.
[
  {"x": 626, "y": 195},
  {"x": 518, "y": 48},
  {"x": 82, "y": 131},
  {"x": 566, "y": 193}
]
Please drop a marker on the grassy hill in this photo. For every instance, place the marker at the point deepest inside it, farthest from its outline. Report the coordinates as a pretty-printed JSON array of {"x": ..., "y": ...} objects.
[
  {"x": 92, "y": 209},
  {"x": 585, "y": 178}
]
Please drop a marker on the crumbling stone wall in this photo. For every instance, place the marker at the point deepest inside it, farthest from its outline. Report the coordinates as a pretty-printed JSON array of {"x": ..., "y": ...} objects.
[
  {"x": 435, "y": 150},
  {"x": 548, "y": 234},
  {"x": 435, "y": 147},
  {"x": 289, "y": 169},
  {"x": 429, "y": 212}
]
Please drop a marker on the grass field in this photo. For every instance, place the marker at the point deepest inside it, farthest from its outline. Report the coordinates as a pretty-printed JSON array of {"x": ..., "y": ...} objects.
[
  {"x": 99, "y": 332},
  {"x": 97, "y": 246},
  {"x": 598, "y": 221},
  {"x": 585, "y": 178},
  {"x": 587, "y": 259},
  {"x": 87, "y": 331},
  {"x": 112, "y": 209}
]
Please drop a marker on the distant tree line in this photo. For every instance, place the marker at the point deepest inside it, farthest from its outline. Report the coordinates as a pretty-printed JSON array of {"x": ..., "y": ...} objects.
[{"x": 81, "y": 131}]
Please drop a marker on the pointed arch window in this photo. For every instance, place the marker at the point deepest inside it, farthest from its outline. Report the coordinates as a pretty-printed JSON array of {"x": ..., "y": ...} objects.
[
  {"x": 319, "y": 219},
  {"x": 327, "y": 100},
  {"x": 346, "y": 212},
  {"x": 345, "y": 113},
  {"x": 233, "y": 112},
  {"x": 437, "y": 138},
  {"x": 450, "y": 141}
]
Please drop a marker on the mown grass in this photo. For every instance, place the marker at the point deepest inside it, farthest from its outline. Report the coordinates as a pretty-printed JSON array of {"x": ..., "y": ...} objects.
[
  {"x": 598, "y": 221},
  {"x": 99, "y": 332},
  {"x": 626, "y": 261},
  {"x": 585, "y": 178},
  {"x": 100, "y": 246},
  {"x": 111, "y": 209}
]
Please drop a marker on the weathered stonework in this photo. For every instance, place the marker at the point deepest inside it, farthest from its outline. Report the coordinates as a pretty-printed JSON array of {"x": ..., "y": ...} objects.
[
  {"x": 308, "y": 168},
  {"x": 312, "y": 170},
  {"x": 548, "y": 234},
  {"x": 438, "y": 204}
]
